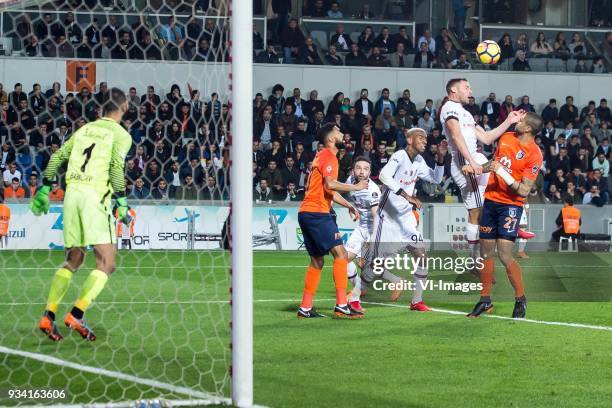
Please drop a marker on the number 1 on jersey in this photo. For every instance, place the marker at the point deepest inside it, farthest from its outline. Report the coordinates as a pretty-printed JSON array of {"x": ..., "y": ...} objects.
[{"x": 87, "y": 154}]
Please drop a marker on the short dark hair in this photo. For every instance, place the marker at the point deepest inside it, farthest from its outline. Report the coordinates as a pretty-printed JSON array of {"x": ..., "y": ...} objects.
[
  {"x": 534, "y": 121},
  {"x": 325, "y": 131},
  {"x": 453, "y": 82},
  {"x": 362, "y": 159},
  {"x": 552, "y": 100},
  {"x": 116, "y": 99},
  {"x": 569, "y": 200}
]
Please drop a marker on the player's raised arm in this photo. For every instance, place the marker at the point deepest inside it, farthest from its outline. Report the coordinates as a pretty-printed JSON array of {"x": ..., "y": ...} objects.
[
  {"x": 488, "y": 137},
  {"x": 434, "y": 175},
  {"x": 40, "y": 202}
]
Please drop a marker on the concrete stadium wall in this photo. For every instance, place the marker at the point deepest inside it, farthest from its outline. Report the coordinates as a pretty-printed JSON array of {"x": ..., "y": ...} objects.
[{"x": 213, "y": 77}]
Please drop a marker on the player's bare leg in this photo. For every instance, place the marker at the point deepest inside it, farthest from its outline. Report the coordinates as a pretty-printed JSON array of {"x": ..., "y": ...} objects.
[
  {"x": 487, "y": 252},
  {"x": 515, "y": 276},
  {"x": 105, "y": 266},
  {"x": 339, "y": 269},
  {"x": 59, "y": 286}
]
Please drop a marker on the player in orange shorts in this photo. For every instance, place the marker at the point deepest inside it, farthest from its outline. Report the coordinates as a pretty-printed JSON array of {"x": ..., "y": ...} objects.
[{"x": 514, "y": 169}]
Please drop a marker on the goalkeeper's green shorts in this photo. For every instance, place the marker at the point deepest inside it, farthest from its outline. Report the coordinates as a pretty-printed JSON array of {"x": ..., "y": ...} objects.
[{"x": 88, "y": 218}]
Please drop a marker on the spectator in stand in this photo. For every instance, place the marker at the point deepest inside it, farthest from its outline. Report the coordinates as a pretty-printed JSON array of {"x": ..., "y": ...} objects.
[
  {"x": 550, "y": 113},
  {"x": 293, "y": 193},
  {"x": 261, "y": 192},
  {"x": 606, "y": 45},
  {"x": 313, "y": 104},
  {"x": 384, "y": 102},
  {"x": 11, "y": 171},
  {"x": 56, "y": 193},
  {"x": 398, "y": 58},
  {"x": 292, "y": 40},
  {"x": 603, "y": 165},
  {"x": 594, "y": 197},
  {"x": 14, "y": 189},
  {"x": 297, "y": 102},
  {"x": 355, "y": 58},
  {"x": 568, "y": 112},
  {"x": 572, "y": 192},
  {"x": 581, "y": 66},
  {"x": 490, "y": 107},
  {"x": 462, "y": 62},
  {"x": 560, "y": 45},
  {"x": 340, "y": 39},
  {"x": 334, "y": 11},
  {"x": 366, "y": 39},
  {"x": 210, "y": 192},
  {"x": 525, "y": 105},
  {"x": 426, "y": 122},
  {"x": 424, "y": 58},
  {"x": 446, "y": 56},
  {"x": 505, "y": 45},
  {"x": 520, "y": 62},
  {"x": 522, "y": 43},
  {"x": 598, "y": 66},
  {"x": 379, "y": 159},
  {"x": 376, "y": 59},
  {"x": 472, "y": 107},
  {"x": 332, "y": 57},
  {"x": 548, "y": 133},
  {"x": 161, "y": 191},
  {"x": 505, "y": 108},
  {"x": 541, "y": 47},
  {"x": 365, "y": 13},
  {"x": 385, "y": 126},
  {"x": 317, "y": 9},
  {"x": 273, "y": 177},
  {"x": 406, "y": 103},
  {"x": 384, "y": 41},
  {"x": 288, "y": 119},
  {"x": 577, "y": 46},
  {"x": 34, "y": 48},
  {"x": 441, "y": 38},
  {"x": 188, "y": 191},
  {"x": 603, "y": 111},
  {"x": 402, "y": 37},
  {"x": 111, "y": 30},
  {"x": 334, "y": 105},
  {"x": 427, "y": 39},
  {"x": 554, "y": 195},
  {"x": 308, "y": 54}
]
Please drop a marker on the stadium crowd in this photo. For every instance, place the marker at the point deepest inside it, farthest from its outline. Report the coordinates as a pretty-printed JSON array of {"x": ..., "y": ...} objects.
[{"x": 180, "y": 142}]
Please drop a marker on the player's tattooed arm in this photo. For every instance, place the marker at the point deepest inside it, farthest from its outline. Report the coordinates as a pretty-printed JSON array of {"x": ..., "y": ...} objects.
[
  {"x": 487, "y": 167},
  {"x": 523, "y": 188}
]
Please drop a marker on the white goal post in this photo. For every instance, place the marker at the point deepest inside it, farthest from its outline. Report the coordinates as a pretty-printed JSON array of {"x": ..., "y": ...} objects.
[{"x": 241, "y": 201}]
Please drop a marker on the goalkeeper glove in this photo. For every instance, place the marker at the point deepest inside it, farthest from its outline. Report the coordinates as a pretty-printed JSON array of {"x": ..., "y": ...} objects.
[
  {"x": 40, "y": 202},
  {"x": 122, "y": 209}
]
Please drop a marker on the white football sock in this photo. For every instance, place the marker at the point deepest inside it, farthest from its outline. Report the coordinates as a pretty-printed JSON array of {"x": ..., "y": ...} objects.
[
  {"x": 420, "y": 280},
  {"x": 471, "y": 233},
  {"x": 351, "y": 272},
  {"x": 522, "y": 244},
  {"x": 356, "y": 292},
  {"x": 389, "y": 277}
]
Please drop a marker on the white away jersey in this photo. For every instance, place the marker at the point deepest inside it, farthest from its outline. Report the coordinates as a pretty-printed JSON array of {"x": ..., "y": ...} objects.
[
  {"x": 401, "y": 173},
  {"x": 364, "y": 200},
  {"x": 466, "y": 124}
]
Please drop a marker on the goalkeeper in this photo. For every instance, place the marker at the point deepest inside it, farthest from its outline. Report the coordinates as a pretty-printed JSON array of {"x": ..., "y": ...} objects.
[{"x": 96, "y": 156}]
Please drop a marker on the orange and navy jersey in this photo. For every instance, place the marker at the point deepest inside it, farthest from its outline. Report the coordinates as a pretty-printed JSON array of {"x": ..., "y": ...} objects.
[
  {"x": 5, "y": 218},
  {"x": 317, "y": 199},
  {"x": 520, "y": 160}
]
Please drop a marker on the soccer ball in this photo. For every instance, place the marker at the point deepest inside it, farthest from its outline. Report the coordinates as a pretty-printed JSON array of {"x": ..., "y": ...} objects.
[{"x": 488, "y": 52}]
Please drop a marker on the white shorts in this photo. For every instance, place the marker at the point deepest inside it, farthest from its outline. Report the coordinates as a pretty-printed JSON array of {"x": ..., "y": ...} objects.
[
  {"x": 472, "y": 187},
  {"x": 391, "y": 236},
  {"x": 359, "y": 237}
]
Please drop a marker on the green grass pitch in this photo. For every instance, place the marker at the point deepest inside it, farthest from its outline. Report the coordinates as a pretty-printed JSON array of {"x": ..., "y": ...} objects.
[{"x": 164, "y": 316}]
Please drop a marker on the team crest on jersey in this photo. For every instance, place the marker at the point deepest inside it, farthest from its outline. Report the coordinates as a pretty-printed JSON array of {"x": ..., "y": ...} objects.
[
  {"x": 374, "y": 194},
  {"x": 534, "y": 170},
  {"x": 520, "y": 155},
  {"x": 512, "y": 212},
  {"x": 329, "y": 169}
]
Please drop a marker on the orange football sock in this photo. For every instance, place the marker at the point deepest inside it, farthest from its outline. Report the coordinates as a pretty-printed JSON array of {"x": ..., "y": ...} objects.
[
  {"x": 515, "y": 276},
  {"x": 311, "y": 283},
  {"x": 486, "y": 276},
  {"x": 340, "y": 280}
]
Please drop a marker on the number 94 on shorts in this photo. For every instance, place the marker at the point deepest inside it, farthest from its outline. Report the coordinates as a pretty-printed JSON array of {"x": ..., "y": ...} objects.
[{"x": 499, "y": 220}]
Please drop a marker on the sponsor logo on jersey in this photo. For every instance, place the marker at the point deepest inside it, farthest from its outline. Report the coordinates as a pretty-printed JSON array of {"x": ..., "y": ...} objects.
[
  {"x": 485, "y": 229},
  {"x": 520, "y": 155}
]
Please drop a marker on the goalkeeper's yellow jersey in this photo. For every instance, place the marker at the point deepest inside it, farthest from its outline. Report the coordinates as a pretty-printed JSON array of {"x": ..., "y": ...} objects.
[{"x": 96, "y": 155}]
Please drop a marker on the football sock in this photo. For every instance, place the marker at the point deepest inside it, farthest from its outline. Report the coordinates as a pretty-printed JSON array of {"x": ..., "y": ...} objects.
[
  {"x": 522, "y": 243},
  {"x": 356, "y": 292},
  {"x": 471, "y": 232},
  {"x": 351, "y": 271},
  {"x": 92, "y": 287},
  {"x": 420, "y": 280},
  {"x": 515, "y": 275},
  {"x": 59, "y": 286},
  {"x": 311, "y": 283},
  {"x": 339, "y": 270},
  {"x": 390, "y": 277},
  {"x": 486, "y": 276}
]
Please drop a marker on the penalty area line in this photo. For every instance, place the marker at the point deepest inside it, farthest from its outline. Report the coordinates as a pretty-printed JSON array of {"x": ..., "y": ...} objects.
[
  {"x": 533, "y": 321},
  {"x": 117, "y": 375}
]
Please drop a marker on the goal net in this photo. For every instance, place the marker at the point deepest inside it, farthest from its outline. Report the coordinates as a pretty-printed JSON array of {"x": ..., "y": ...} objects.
[{"x": 162, "y": 321}]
